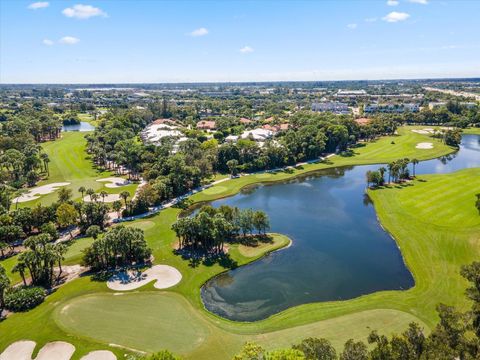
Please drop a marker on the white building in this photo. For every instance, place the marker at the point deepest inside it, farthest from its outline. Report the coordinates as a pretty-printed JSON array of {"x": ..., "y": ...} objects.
[{"x": 258, "y": 134}]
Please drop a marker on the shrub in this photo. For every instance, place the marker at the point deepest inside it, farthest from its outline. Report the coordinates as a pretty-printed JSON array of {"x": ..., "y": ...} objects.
[
  {"x": 162, "y": 355},
  {"x": 23, "y": 298}
]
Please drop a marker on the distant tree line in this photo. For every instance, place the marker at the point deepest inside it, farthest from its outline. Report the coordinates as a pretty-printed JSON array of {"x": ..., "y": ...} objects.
[
  {"x": 172, "y": 170},
  {"x": 22, "y": 160}
]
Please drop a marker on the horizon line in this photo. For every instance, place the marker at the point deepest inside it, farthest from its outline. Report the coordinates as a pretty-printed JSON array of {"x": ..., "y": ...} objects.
[{"x": 476, "y": 77}]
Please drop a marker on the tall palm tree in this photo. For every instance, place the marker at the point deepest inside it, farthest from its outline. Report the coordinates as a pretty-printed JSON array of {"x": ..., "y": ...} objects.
[
  {"x": 103, "y": 194},
  {"x": 46, "y": 160},
  {"x": 19, "y": 193},
  {"x": 124, "y": 195},
  {"x": 20, "y": 267},
  {"x": 90, "y": 192},
  {"x": 382, "y": 172},
  {"x": 59, "y": 252},
  {"x": 81, "y": 190},
  {"x": 414, "y": 162}
]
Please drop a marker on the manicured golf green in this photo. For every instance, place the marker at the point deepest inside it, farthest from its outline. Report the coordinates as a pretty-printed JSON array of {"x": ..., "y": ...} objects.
[
  {"x": 166, "y": 320},
  {"x": 434, "y": 243},
  {"x": 70, "y": 163}
]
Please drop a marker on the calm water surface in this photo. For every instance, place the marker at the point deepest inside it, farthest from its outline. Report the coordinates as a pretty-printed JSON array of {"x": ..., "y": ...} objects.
[
  {"x": 82, "y": 127},
  {"x": 339, "y": 249}
]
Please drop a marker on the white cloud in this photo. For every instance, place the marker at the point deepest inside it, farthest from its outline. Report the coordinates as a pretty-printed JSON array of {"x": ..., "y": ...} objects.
[
  {"x": 423, "y": 2},
  {"x": 372, "y": 19},
  {"x": 352, "y": 26},
  {"x": 395, "y": 16},
  {"x": 199, "y": 32},
  {"x": 47, "y": 42},
  {"x": 69, "y": 40},
  {"x": 39, "y": 5},
  {"x": 80, "y": 11},
  {"x": 393, "y": 2},
  {"x": 246, "y": 50}
]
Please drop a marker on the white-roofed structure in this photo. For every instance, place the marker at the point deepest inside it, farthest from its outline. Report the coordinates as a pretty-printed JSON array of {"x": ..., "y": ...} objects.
[{"x": 258, "y": 134}]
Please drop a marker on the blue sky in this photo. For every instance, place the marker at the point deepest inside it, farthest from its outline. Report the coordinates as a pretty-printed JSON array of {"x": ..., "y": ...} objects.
[{"x": 182, "y": 41}]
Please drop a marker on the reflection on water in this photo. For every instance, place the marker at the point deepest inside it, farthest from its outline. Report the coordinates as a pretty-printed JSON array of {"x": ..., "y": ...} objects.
[
  {"x": 339, "y": 249},
  {"x": 82, "y": 127}
]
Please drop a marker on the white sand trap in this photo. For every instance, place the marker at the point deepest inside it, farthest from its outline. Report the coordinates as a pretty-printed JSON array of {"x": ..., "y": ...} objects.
[
  {"x": 20, "y": 350},
  {"x": 424, "y": 145},
  {"x": 114, "y": 182},
  {"x": 108, "y": 199},
  {"x": 425, "y": 131},
  {"x": 100, "y": 355},
  {"x": 165, "y": 276},
  {"x": 35, "y": 192},
  {"x": 57, "y": 350}
]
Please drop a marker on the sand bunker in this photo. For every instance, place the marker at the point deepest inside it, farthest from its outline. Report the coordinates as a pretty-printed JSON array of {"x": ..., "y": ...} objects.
[
  {"x": 35, "y": 192},
  {"x": 100, "y": 355},
  {"x": 114, "y": 182},
  {"x": 20, "y": 350},
  {"x": 424, "y": 131},
  {"x": 424, "y": 145},
  {"x": 108, "y": 199},
  {"x": 56, "y": 350},
  {"x": 165, "y": 276}
]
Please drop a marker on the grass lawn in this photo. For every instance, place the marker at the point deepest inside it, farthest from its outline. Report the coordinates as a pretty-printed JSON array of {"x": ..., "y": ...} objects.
[
  {"x": 262, "y": 247},
  {"x": 70, "y": 163},
  {"x": 432, "y": 243},
  {"x": 472, "y": 130}
]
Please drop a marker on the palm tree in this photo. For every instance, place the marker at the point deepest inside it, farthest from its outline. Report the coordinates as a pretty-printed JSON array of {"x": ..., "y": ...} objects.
[
  {"x": 124, "y": 195},
  {"x": 90, "y": 192},
  {"x": 81, "y": 190},
  {"x": 103, "y": 194},
  {"x": 117, "y": 206},
  {"x": 20, "y": 267},
  {"x": 382, "y": 172},
  {"x": 46, "y": 160},
  {"x": 414, "y": 162},
  {"x": 59, "y": 252},
  {"x": 20, "y": 192}
]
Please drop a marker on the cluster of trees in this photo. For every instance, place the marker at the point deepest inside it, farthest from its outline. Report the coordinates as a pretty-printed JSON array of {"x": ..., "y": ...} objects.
[
  {"x": 210, "y": 227},
  {"x": 456, "y": 336},
  {"x": 40, "y": 259},
  {"x": 22, "y": 223},
  {"x": 120, "y": 246},
  {"x": 397, "y": 171},
  {"x": 174, "y": 170},
  {"x": 452, "y": 137},
  {"x": 452, "y": 114},
  {"x": 22, "y": 161}
]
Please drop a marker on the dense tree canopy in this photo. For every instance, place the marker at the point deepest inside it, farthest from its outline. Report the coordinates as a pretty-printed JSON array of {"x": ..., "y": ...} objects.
[{"x": 120, "y": 246}]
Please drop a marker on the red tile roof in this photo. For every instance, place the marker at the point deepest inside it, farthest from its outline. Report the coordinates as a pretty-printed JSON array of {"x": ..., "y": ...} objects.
[
  {"x": 363, "y": 121},
  {"x": 205, "y": 124}
]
